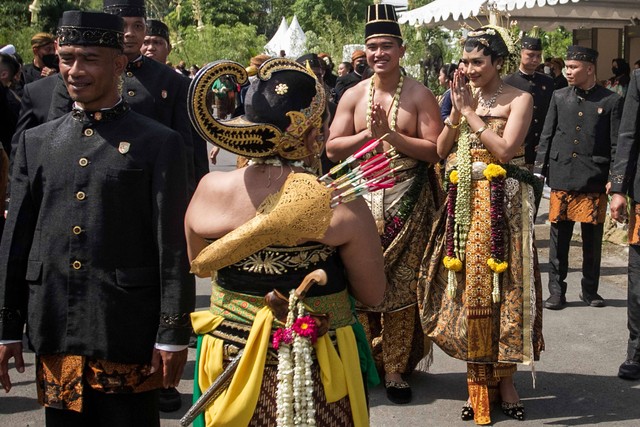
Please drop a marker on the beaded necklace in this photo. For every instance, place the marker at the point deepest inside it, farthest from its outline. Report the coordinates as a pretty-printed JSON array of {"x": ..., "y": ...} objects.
[{"x": 395, "y": 103}]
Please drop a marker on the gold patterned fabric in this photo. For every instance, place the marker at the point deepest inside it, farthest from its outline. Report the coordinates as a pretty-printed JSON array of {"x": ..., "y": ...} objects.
[
  {"x": 590, "y": 208},
  {"x": 470, "y": 326},
  {"x": 61, "y": 378},
  {"x": 408, "y": 213},
  {"x": 299, "y": 211}
]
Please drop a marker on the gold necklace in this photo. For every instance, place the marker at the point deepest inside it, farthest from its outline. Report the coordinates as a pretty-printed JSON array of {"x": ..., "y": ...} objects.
[{"x": 395, "y": 103}]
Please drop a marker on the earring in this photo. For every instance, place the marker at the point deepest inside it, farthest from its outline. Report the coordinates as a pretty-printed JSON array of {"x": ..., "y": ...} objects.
[{"x": 499, "y": 67}]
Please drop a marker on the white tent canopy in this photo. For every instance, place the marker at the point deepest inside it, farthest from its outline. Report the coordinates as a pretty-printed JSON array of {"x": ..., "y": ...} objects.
[
  {"x": 547, "y": 14},
  {"x": 288, "y": 38},
  {"x": 297, "y": 40},
  {"x": 279, "y": 40}
]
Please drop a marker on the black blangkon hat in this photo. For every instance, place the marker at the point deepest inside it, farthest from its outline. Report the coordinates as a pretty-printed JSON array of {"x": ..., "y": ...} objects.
[
  {"x": 125, "y": 8},
  {"x": 91, "y": 29},
  {"x": 157, "y": 28},
  {"x": 581, "y": 53}
]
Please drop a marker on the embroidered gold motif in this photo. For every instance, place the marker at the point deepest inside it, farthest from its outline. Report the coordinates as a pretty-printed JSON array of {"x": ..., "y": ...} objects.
[
  {"x": 282, "y": 88},
  {"x": 278, "y": 260}
]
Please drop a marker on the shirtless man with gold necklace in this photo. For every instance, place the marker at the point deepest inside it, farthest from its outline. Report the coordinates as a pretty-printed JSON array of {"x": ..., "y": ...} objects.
[{"x": 394, "y": 104}]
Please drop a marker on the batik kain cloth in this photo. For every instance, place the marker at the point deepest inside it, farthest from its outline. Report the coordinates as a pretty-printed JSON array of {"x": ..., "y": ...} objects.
[
  {"x": 590, "y": 208},
  {"x": 634, "y": 225},
  {"x": 470, "y": 326},
  {"x": 408, "y": 211},
  {"x": 61, "y": 379}
]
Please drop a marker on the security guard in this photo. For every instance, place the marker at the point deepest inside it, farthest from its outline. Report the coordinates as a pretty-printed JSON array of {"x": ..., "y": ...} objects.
[
  {"x": 625, "y": 179},
  {"x": 577, "y": 147},
  {"x": 93, "y": 257},
  {"x": 539, "y": 85}
]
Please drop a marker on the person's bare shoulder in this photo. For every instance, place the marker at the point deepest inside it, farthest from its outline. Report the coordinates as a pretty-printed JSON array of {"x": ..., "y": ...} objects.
[{"x": 354, "y": 93}]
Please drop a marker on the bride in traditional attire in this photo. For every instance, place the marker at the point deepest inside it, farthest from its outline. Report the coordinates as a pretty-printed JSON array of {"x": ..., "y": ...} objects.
[{"x": 480, "y": 283}]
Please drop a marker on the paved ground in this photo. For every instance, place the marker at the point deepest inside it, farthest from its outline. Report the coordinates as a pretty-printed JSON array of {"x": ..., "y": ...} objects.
[{"x": 575, "y": 382}]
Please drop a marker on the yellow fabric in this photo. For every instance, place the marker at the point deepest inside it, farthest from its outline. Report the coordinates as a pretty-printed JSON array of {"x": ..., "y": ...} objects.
[
  {"x": 235, "y": 406},
  {"x": 331, "y": 370},
  {"x": 351, "y": 362}
]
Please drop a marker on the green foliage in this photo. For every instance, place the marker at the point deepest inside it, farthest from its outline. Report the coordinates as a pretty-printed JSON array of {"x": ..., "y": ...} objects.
[
  {"x": 13, "y": 14},
  {"x": 315, "y": 15},
  {"x": 555, "y": 43},
  {"x": 201, "y": 46},
  {"x": 333, "y": 37}
]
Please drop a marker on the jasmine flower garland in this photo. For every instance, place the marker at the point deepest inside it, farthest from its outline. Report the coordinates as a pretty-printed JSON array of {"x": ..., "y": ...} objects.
[
  {"x": 463, "y": 196},
  {"x": 294, "y": 396}
]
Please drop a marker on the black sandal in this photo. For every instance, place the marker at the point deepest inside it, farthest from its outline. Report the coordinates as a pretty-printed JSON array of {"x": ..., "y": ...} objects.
[
  {"x": 398, "y": 392},
  {"x": 467, "y": 412},
  {"x": 513, "y": 410}
]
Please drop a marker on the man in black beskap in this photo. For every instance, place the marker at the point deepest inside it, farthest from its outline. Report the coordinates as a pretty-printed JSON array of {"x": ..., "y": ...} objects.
[
  {"x": 539, "y": 85},
  {"x": 93, "y": 256},
  {"x": 625, "y": 180},
  {"x": 576, "y": 151},
  {"x": 150, "y": 88}
]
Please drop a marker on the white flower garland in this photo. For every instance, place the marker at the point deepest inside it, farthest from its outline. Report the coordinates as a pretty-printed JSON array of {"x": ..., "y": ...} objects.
[{"x": 294, "y": 396}]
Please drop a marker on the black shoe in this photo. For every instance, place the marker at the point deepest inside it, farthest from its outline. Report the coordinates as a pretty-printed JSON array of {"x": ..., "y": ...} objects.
[
  {"x": 555, "y": 302},
  {"x": 513, "y": 410},
  {"x": 467, "y": 412},
  {"x": 398, "y": 392},
  {"x": 594, "y": 301},
  {"x": 169, "y": 400},
  {"x": 629, "y": 370}
]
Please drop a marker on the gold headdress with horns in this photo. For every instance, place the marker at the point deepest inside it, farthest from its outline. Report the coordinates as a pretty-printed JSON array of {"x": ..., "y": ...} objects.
[{"x": 276, "y": 120}]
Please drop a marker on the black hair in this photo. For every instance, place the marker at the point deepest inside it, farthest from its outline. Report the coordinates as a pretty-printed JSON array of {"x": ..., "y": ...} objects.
[
  {"x": 488, "y": 41},
  {"x": 10, "y": 63},
  {"x": 349, "y": 67},
  {"x": 448, "y": 70}
]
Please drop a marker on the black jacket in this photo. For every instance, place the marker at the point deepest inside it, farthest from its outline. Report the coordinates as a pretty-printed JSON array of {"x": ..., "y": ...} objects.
[
  {"x": 93, "y": 256},
  {"x": 540, "y": 86},
  {"x": 625, "y": 177},
  {"x": 578, "y": 142},
  {"x": 156, "y": 91}
]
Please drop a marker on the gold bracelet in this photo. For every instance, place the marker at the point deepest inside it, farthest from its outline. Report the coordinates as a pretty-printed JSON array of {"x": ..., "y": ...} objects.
[
  {"x": 479, "y": 131},
  {"x": 450, "y": 125}
]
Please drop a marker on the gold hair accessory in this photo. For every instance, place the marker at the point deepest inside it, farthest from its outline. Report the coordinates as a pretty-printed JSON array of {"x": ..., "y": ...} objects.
[{"x": 282, "y": 88}]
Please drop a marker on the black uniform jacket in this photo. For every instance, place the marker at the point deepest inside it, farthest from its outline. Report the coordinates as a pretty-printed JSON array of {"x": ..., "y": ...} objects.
[
  {"x": 625, "y": 177},
  {"x": 35, "y": 104},
  {"x": 93, "y": 256},
  {"x": 540, "y": 86},
  {"x": 578, "y": 142},
  {"x": 156, "y": 91}
]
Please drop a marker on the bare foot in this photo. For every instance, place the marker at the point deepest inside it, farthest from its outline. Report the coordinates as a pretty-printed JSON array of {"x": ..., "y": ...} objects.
[
  {"x": 393, "y": 377},
  {"x": 508, "y": 391}
]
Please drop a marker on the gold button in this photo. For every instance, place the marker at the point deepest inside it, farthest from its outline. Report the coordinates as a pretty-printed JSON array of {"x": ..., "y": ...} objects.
[
  {"x": 77, "y": 265},
  {"x": 581, "y": 114},
  {"x": 578, "y": 128},
  {"x": 88, "y": 132},
  {"x": 129, "y": 74},
  {"x": 77, "y": 230},
  {"x": 80, "y": 195},
  {"x": 574, "y": 155},
  {"x": 575, "y": 141},
  {"x": 131, "y": 93},
  {"x": 83, "y": 162}
]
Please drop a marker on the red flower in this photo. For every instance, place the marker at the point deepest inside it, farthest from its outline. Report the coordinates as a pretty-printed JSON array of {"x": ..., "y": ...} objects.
[
  {"x": 282, "y": 335},
  {"x": 306, "y": 327}
]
